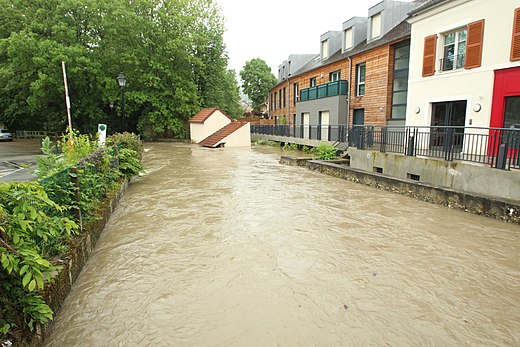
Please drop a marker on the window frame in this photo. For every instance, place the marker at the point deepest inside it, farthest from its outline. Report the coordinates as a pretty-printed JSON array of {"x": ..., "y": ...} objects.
[
  {"x": 360, "y": 83},
  {"x": 351, "y": 36},
  {"x": 312, "y": 82},
  {"x": 335, "y": 73},
  {"x": 456, "y": 63},
  {"x": 325, "y": 49}
]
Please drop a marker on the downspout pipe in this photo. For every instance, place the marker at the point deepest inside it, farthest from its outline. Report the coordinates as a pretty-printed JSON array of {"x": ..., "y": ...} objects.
[{"x": 349, "y": 88}]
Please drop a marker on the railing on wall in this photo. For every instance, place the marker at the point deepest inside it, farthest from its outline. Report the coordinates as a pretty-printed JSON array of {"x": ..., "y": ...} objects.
[
  {"x": 497, "y": 147},
  {"x": 324, "y": 90}
]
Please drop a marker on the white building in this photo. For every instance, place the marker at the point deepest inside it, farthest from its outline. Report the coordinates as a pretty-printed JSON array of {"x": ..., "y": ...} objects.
[{"x": 465, "y": 64}]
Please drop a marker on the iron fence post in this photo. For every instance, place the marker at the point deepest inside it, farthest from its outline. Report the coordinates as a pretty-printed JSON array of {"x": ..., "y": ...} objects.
[
  {"x": 448, "y": 145},
  {"x": 382, "y": 149},
  {"x": 502, "y": 156}
]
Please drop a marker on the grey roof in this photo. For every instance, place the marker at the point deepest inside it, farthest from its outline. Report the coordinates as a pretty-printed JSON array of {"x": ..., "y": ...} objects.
[{"x": 427, "y": 5}]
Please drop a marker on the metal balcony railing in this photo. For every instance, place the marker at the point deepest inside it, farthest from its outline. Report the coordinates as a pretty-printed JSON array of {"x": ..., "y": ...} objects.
[
  {"x": 452, "y": 62},
  {"x": 497, "y": 147},
  {"x": 324, "y": 90}
]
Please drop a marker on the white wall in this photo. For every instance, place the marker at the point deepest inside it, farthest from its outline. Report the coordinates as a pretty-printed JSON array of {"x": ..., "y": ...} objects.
[
  {"x": 473, "y": 85},
  {"x": 215, "y": 122},
  {"x": 240, "y": 138}
]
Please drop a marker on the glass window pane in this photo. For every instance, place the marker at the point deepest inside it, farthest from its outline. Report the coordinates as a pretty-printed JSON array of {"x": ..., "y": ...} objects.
[
  {"x": 399, "y": 112},
  {"x": 361, "y": 89},
  {"x": 402, "y": 63},
  {"x": 400, "y": 84},
  {"x": 399, "y": 98},
  {"x": 462, "y": 35},
  {"x": 512, "y": 113},
  {"x": 402, "y": 52},
  {"x": 362, "y": 70},
  {"x": 449, "y": 39}
]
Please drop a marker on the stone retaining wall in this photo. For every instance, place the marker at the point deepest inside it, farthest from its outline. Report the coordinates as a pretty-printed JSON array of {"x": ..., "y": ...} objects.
[{"x": 482, "y": 205}]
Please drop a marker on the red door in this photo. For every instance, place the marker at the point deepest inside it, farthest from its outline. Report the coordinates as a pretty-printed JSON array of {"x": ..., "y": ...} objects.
[{"x": 505, "y": 109}]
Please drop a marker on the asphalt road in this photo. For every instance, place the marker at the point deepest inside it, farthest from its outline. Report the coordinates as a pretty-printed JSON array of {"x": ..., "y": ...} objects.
[{"x": 18, "y": 160}]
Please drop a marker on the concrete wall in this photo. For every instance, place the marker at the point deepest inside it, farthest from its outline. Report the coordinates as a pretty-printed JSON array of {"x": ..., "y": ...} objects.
[
  {"x": 336, "y": 105},
  {"x": 240, "y": 138},
  {"x": 478, "y": 204},
  {"x": 199, "y": 131},
  {"x": 472, "y": 178},
  {"x": 473, "y": 85}
]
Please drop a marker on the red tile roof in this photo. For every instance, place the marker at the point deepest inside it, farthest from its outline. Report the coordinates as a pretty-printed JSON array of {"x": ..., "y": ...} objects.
[
  {"x": 205, "y": 113},
  {"x": 214, "y": 139}
]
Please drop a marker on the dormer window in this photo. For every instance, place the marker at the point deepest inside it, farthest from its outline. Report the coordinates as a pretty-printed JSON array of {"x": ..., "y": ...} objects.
[
  {"x": 375, "y": 26},
  {"x": 347, "y": 39},
  {"x": 325, "y": 49}
]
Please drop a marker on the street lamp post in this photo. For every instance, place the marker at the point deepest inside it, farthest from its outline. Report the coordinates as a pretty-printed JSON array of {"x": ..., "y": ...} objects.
[{"x": 122, "y": 82}]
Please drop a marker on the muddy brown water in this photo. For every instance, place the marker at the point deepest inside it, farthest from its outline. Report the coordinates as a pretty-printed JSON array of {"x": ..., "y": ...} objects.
[{"x": 227, "y": 247}]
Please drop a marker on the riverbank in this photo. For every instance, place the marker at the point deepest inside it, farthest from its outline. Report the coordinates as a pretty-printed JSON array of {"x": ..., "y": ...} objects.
[
  {"x": 72, "y": 263},
  {"x": 501, "y": 209}
]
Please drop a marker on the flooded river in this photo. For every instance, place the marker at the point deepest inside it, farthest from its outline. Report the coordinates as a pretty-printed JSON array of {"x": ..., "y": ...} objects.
[{"x": 226, "y": 247}]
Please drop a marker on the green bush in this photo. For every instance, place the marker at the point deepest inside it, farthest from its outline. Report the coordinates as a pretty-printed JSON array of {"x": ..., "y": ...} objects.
[
  {"x": 326, "y": 151},
  {"x": 309, "y": 150},
  {"x": 129, "y": 163},
  {"x": 126, "y": 140},
  {"x": 29, "y": 237},
  {"x": 36, "y": 219},
  {"x": 290, "y": 146}
]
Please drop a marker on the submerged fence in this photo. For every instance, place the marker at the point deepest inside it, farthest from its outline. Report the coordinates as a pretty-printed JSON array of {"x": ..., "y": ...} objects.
[{"x": 497, "y": 147}]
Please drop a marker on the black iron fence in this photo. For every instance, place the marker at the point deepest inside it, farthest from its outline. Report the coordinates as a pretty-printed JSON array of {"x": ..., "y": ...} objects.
[{"x": 497, "y": 147}]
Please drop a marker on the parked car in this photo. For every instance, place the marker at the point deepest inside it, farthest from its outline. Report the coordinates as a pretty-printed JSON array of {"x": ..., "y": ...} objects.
[{"x": 5, "y": 135}]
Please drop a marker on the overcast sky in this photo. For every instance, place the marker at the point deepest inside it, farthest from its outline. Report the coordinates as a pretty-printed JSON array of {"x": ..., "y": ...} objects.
[{"x": 274, "y": 29}]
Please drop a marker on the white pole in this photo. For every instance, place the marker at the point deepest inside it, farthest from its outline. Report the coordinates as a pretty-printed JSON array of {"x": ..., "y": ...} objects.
[{"x": 67, "y": 100}]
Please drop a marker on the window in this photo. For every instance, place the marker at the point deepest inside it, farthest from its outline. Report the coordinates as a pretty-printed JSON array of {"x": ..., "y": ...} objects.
[
  {"x": 280, "y": 98},
  {"x": 347, "y": 35},
  {"x": 325, "y": 49},
  {"x": 271, "y": 103},
  {"x": 283, "y": 72},
  {"x": 274, "y": 104},
  {"x": 512, "y": 113},
  {"x": 312, "y": 82},
  {"x": 454, "y": 50},
  {"x": 284, "y": 97},
  {"x": 400, "y": 83},
  {"x": 375, "y": 26},
  {"x": 360, "y": 79},
  {"x": 334, "y": 76},
  {"x": 295, "y": 92}
]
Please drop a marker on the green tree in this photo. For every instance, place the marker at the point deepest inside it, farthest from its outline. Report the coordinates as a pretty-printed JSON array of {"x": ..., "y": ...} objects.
[
  {"x": 171, "y": 52},
  {"x": 257, "y": 79}
]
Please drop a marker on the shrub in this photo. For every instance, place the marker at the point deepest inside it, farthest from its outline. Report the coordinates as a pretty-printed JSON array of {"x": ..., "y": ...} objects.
[
  {"x": 290, "y": 146},
  {"x": 127, "y": 140},
  {"x": 326, "y": 151},
  {"x": 129, "y": 163},
  {"x": 29, "y": 237}
]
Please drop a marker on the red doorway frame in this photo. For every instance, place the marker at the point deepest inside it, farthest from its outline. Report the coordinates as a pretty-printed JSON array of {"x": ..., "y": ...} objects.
[{"x": 507, "y": 83}]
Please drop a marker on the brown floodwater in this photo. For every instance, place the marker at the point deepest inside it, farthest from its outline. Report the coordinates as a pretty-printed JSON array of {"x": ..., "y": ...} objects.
[{"x": 226, "y": 247}]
